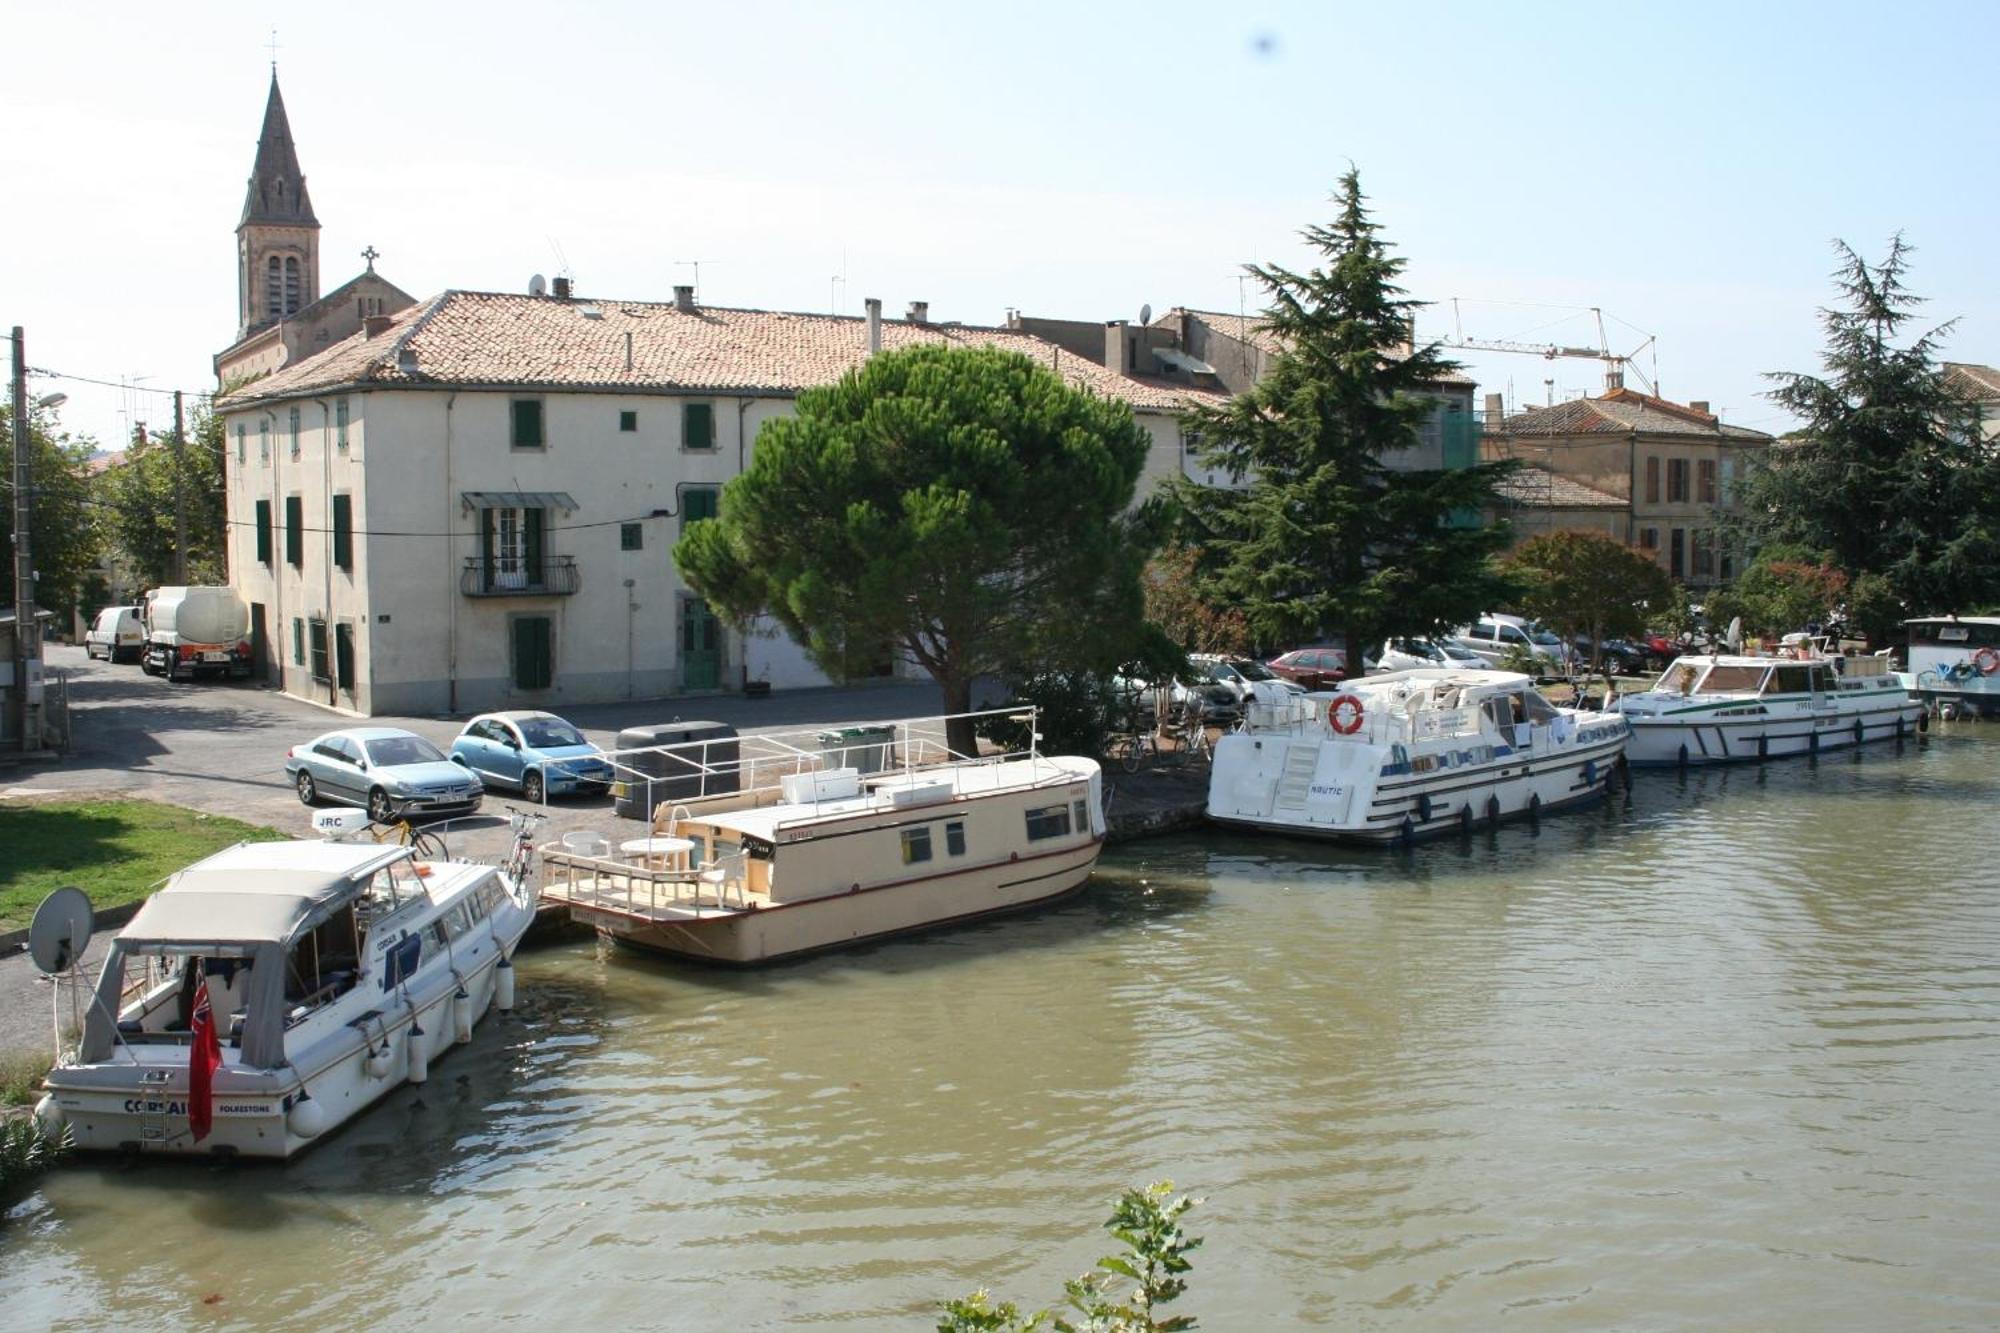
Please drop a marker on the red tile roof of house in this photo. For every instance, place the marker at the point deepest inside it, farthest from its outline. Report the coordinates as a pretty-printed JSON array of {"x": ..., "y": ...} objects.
[
  {"x": 1621, "y": 412},
  {"x": 504, "y": 341},
  {"x": 1972, "y": 383},
  {"x": 1540, "y": 488}
]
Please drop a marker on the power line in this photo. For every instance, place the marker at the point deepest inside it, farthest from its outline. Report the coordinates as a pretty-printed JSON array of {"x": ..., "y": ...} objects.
[{"x": 128, "y": 386}]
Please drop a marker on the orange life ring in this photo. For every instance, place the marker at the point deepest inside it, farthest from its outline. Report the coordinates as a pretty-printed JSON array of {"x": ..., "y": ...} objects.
[
  {"x": 1344, "y": 714},
  {"x": 1987, "y": 660}
]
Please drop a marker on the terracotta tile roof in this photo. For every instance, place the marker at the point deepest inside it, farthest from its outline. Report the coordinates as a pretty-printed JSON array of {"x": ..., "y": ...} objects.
[
  {"x": 1541, "y": 488},
  {"x": 1252, "y": 329},
  {"x": 505, "y": 340},
  {"x": 1621, "y": 412},
  {"x": 1972, "y": 383}
]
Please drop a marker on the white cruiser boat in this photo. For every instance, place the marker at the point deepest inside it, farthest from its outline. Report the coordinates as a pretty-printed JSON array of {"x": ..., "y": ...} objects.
[
  {"x": 331, "y": 973},
  {"x": 804, "y": 847},
  {"x": 1708, "y": 709},
  {"x": 1956, "y": 660},
  {"x": 1411, "y": 754}
]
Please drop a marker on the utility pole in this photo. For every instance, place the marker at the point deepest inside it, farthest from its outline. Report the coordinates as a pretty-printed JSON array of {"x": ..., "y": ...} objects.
[
  {"x": 27, "y": 643},
  {"x": 180, "y": 508}
]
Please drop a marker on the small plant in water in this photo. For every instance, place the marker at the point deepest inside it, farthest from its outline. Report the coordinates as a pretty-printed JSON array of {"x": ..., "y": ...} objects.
[
  {"x": 25, "y": 1154},
  {"x": 1147, "y": 1223}
]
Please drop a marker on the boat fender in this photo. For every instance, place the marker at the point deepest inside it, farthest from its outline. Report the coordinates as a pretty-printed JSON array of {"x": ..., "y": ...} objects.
[
  {"x": 378, "y": 1059},
  {"x": 420, "y": 1059},
  {"x": 1684, "y": 755},
  {"x": 1465, "y": 819},
  {"x": 49, "y": 1118},
  {"x": 1406, "y": 831},
  {"x": 1535, "y": 807},
  {"x": 503, "y": 985},
  {"x": 1493, "y": 809},
  {"x": 1344, "y": 714},
  {"x": 1763, "y": 748},
  {"x": 1812, "y": 743},
  {"x": 461, "y": 1013},
  {"x": 1860, "y": 732},
  {"x": 1424, "y": 808},
  {"x": 306, "y": 1118},
  {"x": 1923, "y": 722},
  {"x": 1590, "y": 773}
]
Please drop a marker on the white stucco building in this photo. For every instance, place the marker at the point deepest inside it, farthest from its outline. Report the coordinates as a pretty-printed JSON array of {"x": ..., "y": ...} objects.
[{"x": 472, "y": 503}]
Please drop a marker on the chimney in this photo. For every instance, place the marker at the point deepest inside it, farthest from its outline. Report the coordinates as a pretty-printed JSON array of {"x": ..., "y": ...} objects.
[
  {"x": 1614, "y": 378},
  {"x": 874, "y": 305},
  {"x": 1701, "y": 405},
  {"x": 1496, "y": 411},
  {"x": 684, "y": 298},
  {"x": 1114, "y": 345},
  {"x": 562, "y": 289},
  {"x": 919, "y": 312},
  {"x": 375, "y": 324}
]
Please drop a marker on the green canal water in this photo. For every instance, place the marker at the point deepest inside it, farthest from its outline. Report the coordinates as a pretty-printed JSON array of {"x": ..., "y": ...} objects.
[{"x": 1722, "y": 1053}]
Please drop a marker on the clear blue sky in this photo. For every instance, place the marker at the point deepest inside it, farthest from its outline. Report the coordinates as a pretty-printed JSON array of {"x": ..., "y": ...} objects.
[{"x": 1685, "y": 169}]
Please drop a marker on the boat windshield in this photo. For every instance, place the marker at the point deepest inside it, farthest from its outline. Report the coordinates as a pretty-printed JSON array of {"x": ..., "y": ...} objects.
[
  {"x": 388, "y": 751},
  {"x": 1732, "y": 678},
  {"x": 545, "y": 733}
]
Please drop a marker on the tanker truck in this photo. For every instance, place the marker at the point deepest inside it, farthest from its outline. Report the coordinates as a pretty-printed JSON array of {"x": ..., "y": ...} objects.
[{"x": 196, "y": 631}]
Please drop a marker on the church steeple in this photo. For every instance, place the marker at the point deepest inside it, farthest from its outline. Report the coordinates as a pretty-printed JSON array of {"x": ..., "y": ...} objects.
[
  {"x": 277, "y": 240},
  {"x": 277, "y": 186}
]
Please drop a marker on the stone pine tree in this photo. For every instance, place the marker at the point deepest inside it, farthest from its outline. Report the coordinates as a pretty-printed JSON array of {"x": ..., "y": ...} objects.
[
  {"x": 1888, "y": 479},
  {"x": 1329, "y": 539},
  {"x": 964, "y": 508}
]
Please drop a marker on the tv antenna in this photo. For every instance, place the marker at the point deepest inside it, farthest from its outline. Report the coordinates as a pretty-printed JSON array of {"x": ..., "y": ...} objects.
[{"x": 696, "y": 264}]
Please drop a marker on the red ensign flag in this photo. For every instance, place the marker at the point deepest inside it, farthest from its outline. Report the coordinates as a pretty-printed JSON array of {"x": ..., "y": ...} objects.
[{"x": 204, "y": 1054}]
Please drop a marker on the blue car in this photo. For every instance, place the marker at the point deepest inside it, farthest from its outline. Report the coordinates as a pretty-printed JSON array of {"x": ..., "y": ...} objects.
[{"x": 538, "y": 753}]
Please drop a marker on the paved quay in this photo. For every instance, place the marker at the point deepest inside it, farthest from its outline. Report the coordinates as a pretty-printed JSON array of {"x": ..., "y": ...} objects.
[{"x": 219, "y": 748}]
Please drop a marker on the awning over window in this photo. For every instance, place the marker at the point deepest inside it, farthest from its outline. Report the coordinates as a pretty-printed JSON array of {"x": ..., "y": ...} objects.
[{"x": 517, "y": 500}]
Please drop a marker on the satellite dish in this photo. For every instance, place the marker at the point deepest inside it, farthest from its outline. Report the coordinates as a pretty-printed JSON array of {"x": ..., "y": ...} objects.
[
  {"x": 60, "y": 931},
  {"x": 538, "y": 286},
  {"x": 1145, "y": 314}
]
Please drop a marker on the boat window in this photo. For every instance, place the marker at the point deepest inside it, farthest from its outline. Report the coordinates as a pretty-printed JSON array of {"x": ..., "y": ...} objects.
[
  {"x": 954, "y": 837},
  {"x": 1732, "y": 678},
  {"x": 1082, "y": 814},
  {"x": 1499, "y": 711},
  {"x": 491, "y": 895},
  {"x": 1950, "y": 633},
  {"x": 390, "y": 889},
  {"x": 916, "y": 844},
  {"x": 1791, "y": 680},
  {"x": 1048, "y": 821},
  {"x": 1539, "y": 709}
]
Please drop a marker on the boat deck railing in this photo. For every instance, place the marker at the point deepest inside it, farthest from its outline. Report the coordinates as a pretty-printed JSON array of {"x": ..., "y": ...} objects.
[
  {"x": 1380, "y": 725},
  {"x": 642, "y": 886}
]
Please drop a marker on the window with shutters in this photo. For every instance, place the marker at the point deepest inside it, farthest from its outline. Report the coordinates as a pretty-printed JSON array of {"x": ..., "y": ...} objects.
[
  {"x": 527, "y": 428},
  {"x": 511, "y": 548},
  {"x": 698, "y": 426},
  {"x": 292, "y": 424},
  {"x": 628, "y": 422},
  {"x": 534, "y": 652},
  {"x": 242, "y": 442},
  {"x": 343, "y": 656},
  {"x": 1677, "y": 562},
  {"x": 298, "y": 642},
  {"x": 340, "y": 423},
  {"x": 1705, "y": 481},
  {"x": 274, "y": 288},
  {"x": 631, "y": 537},
  {"x": 264, "y": 440},
  {"x": 698, "y": 503},
  {"x": 1649, "y": 539},
  {"x": 295, "y": 531},
  {"x": 263, "y": 532},
  {"x": 343, "y": 532},
  {"x": 1704, "y": 553},
  {"x": 294, "y": 287},
  {"x": 1677, "y": 481},
  {"x": 1652, "y": 479},
  {"x": 316, "y": 638}
]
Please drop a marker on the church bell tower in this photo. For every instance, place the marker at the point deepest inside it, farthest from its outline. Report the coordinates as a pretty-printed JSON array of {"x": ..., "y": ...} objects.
[{"x": 277, "y": 242}]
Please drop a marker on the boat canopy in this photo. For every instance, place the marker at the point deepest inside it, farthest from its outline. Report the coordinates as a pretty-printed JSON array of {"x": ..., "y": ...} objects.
[{"x": 257, "y": 892}]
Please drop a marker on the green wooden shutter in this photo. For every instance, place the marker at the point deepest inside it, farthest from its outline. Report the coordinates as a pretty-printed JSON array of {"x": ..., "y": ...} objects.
[
  {"x": 698, "y": 503},
  {"x": 343, "y": 655},
  {"x": 263, "y": 532},
  {"x": 295, "y": 531},
  {"x": 486, "y": 550},
  {"x": 298, "y": 642},
  {"x": 343, "y": 531},
  {"x": 527, "y": 423},
  {"x": 533, "y": 653},
  {"x": 698, "y": 426},
  {"x": 531, "y": 542}
]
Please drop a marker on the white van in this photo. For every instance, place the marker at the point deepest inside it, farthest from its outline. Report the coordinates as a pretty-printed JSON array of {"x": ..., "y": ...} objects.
[
  {"x": 1493, "y": 636},
  {"x": 117, "y": 635}
]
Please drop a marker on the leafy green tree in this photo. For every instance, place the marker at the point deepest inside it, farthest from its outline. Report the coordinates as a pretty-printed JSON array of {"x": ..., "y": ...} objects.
[
  {"x": 138, "y": 500},
  {"x": 964, "y": 507},
  {"x": 1585, "y": 583},
  {"x": 66, "y": 538},
  {"x": 1155, "y": 1261},
  {"x": 1329, "y": 538},
  {"x": 1777, "y": 595},
  {"x": 1175, "y": 603},
  {"x": 1888, "y": 476}
]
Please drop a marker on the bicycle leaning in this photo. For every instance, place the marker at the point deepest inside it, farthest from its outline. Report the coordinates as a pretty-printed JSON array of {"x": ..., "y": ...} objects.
[{"x": 521, "y": 824}]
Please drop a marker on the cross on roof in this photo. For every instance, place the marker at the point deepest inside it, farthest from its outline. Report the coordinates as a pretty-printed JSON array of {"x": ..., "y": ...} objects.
[
  {"x": 371, "y": 254},
  {"x": 274, "y": 51}
]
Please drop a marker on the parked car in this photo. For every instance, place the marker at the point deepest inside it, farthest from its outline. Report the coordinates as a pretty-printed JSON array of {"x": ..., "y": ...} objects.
[
  {"x": 1217, "y": 703},
  {"x": 1320, "y": 667},
  {"x": 1621, "y": 657},
  {"x": 1409, "y": 654},
  {"x": 1493, "y": 636},
  {"x": 117, "y": 635},
  {"x": 387, "y": 772},
  {"x": 1245, "y": 678},
  {"x": 537, "y": 753}
]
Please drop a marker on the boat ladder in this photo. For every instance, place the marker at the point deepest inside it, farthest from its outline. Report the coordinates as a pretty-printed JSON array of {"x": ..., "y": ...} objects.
[{"x": 1296, "y": 779}]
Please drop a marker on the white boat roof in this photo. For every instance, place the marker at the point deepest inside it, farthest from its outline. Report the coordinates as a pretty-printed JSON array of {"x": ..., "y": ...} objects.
[
  {"x": 1953, "y": 620},
  {"x": 1483, "y": 682},
  {"x": 256, "y": 891},
  {"x": 950, "y": 781}
]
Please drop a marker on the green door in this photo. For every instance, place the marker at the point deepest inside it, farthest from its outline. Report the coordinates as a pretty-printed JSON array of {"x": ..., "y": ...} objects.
[{"x": 701, "y": 646}]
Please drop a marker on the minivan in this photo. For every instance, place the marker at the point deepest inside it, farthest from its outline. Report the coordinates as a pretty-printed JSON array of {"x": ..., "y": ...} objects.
[
  {"x": 117, "y": 635},
  {"x": 1493, "y": 636}
]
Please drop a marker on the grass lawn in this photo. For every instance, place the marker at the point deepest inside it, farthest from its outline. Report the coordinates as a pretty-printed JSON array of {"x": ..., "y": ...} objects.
[{"x": 115, "y": 851}]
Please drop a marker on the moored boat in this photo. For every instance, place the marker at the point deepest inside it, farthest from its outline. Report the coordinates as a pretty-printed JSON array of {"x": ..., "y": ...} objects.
[
  {"x": 1955, "y": 661},
  {"x": 1411, "y": 754},
  {"x": 805, "y": 848},
  {"x": 271, "y": 992},
  {"x": 1718, "y": 708}
]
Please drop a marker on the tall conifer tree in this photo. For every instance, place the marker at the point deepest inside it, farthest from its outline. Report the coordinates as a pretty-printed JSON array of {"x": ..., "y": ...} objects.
[{"x": 1328, "y": 538}]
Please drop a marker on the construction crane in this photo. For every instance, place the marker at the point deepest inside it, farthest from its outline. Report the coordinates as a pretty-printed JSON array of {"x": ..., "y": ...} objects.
[{"x": 1615, "y": 363}]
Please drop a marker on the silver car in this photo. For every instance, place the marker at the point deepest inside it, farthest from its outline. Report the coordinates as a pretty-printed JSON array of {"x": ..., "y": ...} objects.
[{"x": 388, "y": 772}]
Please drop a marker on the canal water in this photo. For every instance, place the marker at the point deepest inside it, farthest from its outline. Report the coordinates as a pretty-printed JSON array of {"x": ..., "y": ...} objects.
[{"x": 1722, "y": 1053}]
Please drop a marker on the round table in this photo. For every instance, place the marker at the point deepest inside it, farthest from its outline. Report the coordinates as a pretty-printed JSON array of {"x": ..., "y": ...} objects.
[{"x": 659, "y": 852}]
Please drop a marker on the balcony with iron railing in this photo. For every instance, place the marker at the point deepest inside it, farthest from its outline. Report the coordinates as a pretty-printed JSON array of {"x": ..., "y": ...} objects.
[{"x": 502, "y": 576}]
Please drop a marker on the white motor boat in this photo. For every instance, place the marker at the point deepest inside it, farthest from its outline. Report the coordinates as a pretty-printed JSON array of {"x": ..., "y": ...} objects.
[
  {"x": 1955, "y": 661},
  {"x": 1714, "y": 709},
  {"x": 1411, "y": 754},
  {"x": 301, "y": 981},
  {"x": 804, "y": 846}
]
